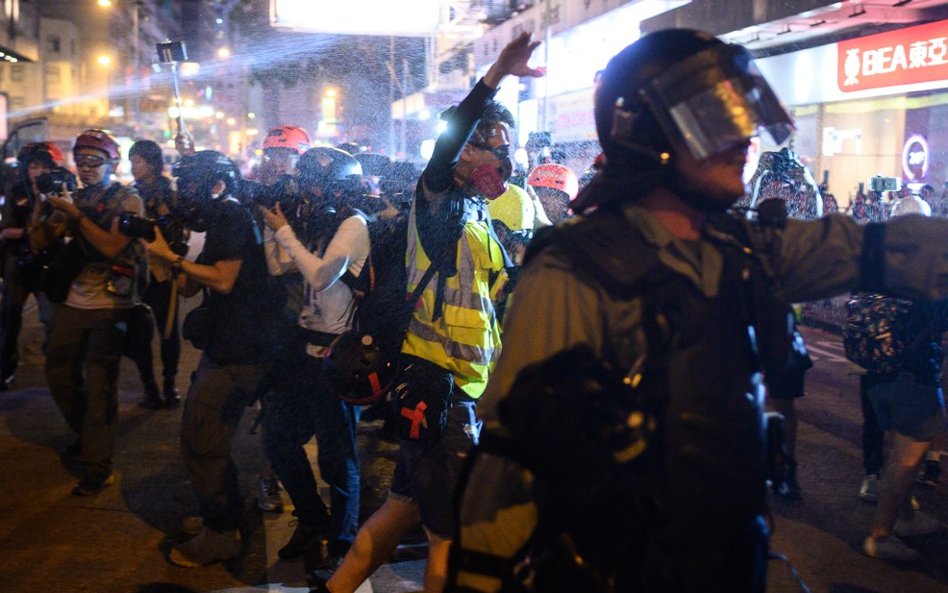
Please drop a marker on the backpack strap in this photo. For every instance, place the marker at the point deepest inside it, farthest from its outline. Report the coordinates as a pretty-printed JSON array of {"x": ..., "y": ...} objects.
[{"x": 606, "y": 246}]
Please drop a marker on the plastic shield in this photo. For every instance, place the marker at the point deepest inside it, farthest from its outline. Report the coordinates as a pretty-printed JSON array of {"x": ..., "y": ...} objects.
[{"x": 715, "y": 100}]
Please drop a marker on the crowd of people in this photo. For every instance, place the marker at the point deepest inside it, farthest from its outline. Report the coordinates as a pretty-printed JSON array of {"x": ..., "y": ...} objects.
[{"x": 669, "y": 275}]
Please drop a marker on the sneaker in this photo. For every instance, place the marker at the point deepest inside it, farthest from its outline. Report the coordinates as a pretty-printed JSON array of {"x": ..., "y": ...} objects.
[
  {"x": 172, "y": 397},
  {"x": 869, "y": 491},
  {"x": 92, "y": 486},
  {"x": 207, "y": 547},
  {"x": 192, "y": 525},
  {"x": 920, "y": 524},
  {"x": 929, "y": 473},
  {"x": 888, "y": 548},
  {"x": 268, "y": 495},
  {"x": 304, "y": 538}
]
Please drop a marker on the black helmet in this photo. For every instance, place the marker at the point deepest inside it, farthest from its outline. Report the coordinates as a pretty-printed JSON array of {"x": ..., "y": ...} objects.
[
  {"x": 359, "y": 369},
  {"x": 373, "y": 163},
  {"x": 206, "y": 167},
  {"x": 686, "y": 88},
  {"x": 330, "y": 169},
  {"x": 197, "y": 174}
]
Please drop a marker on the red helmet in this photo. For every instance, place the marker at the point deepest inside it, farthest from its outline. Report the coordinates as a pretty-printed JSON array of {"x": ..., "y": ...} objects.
[
  {"x": 555, "y": 176},
  {"x": 293, "y": 137},
  {"x": 100, "y": 141},
  {"x": 47, "y": 152}
]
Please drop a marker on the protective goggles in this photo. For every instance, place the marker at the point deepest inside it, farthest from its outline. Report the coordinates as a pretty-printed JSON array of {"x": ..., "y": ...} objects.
[
  {"x": 715, "y": 100},
  {"x": 89, "y": 161}
]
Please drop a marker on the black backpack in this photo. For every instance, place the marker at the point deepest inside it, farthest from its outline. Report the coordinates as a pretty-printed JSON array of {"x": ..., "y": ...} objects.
[{"x": 363, "y": 362}]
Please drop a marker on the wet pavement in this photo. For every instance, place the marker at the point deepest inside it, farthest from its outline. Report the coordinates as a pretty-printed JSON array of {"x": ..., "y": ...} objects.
[{"x": 117, "y": 542}]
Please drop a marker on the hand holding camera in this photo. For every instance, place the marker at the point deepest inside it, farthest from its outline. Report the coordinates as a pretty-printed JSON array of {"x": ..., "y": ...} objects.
[
  {"x": 158, "y": 246},
  {"x": 64, "y": 203},
  {"x": 274, "y": 218},
  {"x": 150, "y": 230}
]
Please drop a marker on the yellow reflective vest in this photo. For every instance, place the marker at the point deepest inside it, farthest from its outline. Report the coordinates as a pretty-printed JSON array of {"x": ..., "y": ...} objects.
[{"x": 465, "y": 337}]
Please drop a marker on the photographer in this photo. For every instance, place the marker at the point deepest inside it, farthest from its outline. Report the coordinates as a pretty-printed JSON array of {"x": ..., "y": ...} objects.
[
  {"x": 105, "y": 269},
  {"x": 235, "y": 326},
  {"x": 276, "y": 183},
  {"x": 161, "y": 296},
  {"x": 36, "y": 163},
  {"x": 301, "y": 403}
]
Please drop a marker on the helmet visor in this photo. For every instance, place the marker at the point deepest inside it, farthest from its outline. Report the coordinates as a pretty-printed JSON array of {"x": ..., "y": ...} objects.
[{"x": 715, "y": 100}]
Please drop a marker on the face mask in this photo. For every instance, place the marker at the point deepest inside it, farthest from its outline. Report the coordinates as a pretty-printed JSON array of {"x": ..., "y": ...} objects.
[{"x": 488, "y": 181}]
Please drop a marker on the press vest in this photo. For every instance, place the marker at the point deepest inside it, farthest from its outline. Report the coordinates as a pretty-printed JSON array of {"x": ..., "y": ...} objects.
[{"x": 461, "y": 334}]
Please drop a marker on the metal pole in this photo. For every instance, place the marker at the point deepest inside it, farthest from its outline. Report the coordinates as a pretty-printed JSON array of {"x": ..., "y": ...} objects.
[
  {"x": 404, "y": 84},
  {"x": 546, "y": 60},
  {"x": 136, "y": 125},
  {"x": 391, "y": 97}
]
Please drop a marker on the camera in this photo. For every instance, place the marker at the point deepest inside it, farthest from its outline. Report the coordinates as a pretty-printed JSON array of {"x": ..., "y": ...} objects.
[
  {"x": 144, "y": 228},
  {"x": 56, "y": 181},
  {"x": 880, "y": 183},
  {"x": 284, "y": 191}
]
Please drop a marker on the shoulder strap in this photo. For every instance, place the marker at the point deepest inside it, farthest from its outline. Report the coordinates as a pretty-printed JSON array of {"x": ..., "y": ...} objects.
[{"x": 605, "y": 245}]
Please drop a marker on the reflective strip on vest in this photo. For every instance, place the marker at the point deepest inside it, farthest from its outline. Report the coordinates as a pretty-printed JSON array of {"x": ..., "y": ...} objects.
[{"x": 465, "y": 340}]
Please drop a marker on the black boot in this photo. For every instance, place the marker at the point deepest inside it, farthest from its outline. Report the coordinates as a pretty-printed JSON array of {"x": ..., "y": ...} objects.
[
  {"x": 789, "y": 489},
  {"x": 172, "y": 398},
  {"x": 152, "y": 399}
]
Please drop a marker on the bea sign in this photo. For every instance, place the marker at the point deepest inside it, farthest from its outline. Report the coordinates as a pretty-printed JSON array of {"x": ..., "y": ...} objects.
[{"x": 903, "y": 56}]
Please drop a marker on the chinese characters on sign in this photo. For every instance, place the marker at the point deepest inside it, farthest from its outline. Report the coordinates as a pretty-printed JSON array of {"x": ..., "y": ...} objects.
[{"x": 904, "y": 56}]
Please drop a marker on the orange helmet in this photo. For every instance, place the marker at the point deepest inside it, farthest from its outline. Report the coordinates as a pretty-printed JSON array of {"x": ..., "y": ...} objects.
[
  {"x": 293, "y": 137},
  {"x": 555, "y": 176},
  {"x": 99, "y": 140},
  {"x": 47, "y": 152}
]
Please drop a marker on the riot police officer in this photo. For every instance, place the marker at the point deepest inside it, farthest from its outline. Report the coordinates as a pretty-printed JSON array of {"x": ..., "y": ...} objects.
[{"x": 662, "y": 284}]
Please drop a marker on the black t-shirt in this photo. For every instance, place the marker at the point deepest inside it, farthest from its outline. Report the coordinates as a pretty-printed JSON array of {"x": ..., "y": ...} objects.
[
  {"x": 17, "y": 210},
  {"x": 245, "y": 320}
]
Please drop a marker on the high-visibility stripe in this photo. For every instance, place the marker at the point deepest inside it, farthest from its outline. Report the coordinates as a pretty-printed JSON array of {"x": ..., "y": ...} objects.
[{"x": 465, "y": 339}]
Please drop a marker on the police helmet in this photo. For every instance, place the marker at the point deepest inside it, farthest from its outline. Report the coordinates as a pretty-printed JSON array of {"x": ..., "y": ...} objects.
[{"x": 683, "y": 88}]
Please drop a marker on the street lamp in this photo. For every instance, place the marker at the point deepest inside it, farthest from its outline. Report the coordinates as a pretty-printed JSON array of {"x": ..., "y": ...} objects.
[{"x": 104, "y": 60}]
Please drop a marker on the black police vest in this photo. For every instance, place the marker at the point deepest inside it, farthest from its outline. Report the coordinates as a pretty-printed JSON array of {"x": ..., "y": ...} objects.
[{"x": 702, "y": 366}]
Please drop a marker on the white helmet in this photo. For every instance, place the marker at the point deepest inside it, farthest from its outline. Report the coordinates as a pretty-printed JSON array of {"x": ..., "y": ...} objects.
[{"x": 911, "y": 204}]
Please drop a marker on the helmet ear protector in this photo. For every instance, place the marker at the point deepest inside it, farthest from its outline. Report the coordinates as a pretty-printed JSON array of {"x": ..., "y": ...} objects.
[{"x": 709, "y": 102}]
